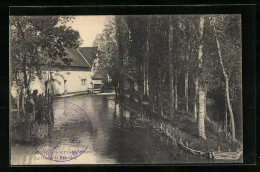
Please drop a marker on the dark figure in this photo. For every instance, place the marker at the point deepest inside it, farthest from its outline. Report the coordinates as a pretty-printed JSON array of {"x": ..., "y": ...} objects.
[
  {"x": 29, "y": 106},
  {"x": 39, "y": 108}
]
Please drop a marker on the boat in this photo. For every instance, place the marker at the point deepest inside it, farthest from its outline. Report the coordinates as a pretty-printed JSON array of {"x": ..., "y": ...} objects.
[
  {"x": 190, "y": 150},
  {"x": 227, "y": 155}
]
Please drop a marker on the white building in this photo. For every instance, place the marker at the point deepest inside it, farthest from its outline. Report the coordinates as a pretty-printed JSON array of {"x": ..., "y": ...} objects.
[{"x": 76, "y": 77}]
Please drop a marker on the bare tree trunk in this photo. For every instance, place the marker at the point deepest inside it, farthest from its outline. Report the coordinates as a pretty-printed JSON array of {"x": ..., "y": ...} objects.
[
  {"x": 201, "y": 117},
  {"x": 18, "y": 103},
  {"x": 144, "y": 70},
  {"x": 230, "y": 111},
  {"x": 171, "y": 75},
  {"x": 23, "y": 102},
  {"x": 196, "y": 83},
  {"x": 176, "y": 92},
  {"x": 226, "y": 83},
  {"x": 226, "y": 121},
  {"x": 202, "y": 104},
  {"x": 120, "y": 52},
  {"x": 186, "y": 80},
  {"x": 147, "y": 81},
  {"x": 131, "y": 90},
  {"x": 187, "y": 90},
  {"x": 116, "y": 91},
  {"x": 205, "y": 100},
  {"x": 160, "y": 93},
  {"x": 24, "y": 63},
  {"x": 146, "y": 62}
]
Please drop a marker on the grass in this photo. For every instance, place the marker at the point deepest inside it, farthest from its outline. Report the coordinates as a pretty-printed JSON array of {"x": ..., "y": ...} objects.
[
  {"x": 21, "y": 130},
  {"x": 189, "y": 132},
  {"x": 185, "y": 127}
]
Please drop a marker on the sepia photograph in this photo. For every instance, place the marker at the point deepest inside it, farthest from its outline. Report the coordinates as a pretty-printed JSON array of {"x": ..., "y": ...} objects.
[{"x": 125, "y": 89}]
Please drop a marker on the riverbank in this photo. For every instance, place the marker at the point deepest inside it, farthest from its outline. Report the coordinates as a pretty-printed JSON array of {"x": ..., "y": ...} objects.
[
  {"x": 85, "y": 93},
  {"x": 184, "y": 128},
  {"x": 72, "y": 94},
  {"x": 23, "y": 129}
]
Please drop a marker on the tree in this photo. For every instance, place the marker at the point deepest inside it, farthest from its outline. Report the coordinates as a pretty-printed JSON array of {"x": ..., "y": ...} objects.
[
  {"x": 201, "y": 86},
  {"x": 108, "y": 51},
  {"x": 146, "y": 59},
  {"x": 159, "y": 54},
  {"x": 119, "y": 38},
  {"x": 36, "y": 44},
  {"x": 171, "y": 74},
  {"x": 233, "y": 51}
]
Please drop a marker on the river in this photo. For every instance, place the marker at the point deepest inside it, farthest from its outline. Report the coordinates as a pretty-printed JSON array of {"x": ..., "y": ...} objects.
[{"x": 114, "y": 137}]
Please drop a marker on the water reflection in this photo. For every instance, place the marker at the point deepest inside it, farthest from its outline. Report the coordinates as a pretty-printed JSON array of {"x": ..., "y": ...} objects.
[{"x": 116, "y": 136}]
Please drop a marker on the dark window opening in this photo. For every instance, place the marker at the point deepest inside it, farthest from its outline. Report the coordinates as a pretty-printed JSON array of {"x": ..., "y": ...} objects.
[
  {"x": 97, "y": 86},
  {"x": 83, "y": 81}
]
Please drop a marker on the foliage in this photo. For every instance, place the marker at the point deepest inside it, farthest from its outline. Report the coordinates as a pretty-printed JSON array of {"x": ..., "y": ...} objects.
[
  {"x": 37, "y": 43},
  {"x": 108, "y": 50},
  {"x": 132, "y": 45}
]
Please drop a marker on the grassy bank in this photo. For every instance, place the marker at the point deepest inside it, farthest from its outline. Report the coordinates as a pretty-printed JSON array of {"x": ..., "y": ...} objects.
[
  {"x": 23, "y": 129},
  {"x": 184, "y": 127}
]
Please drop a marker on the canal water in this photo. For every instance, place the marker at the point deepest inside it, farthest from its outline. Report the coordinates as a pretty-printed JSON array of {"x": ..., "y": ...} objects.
[{"x": 100, "y": 133}]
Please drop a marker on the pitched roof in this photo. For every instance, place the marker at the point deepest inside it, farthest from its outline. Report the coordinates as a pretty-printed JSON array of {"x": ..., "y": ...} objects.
[
  {"x": 89, "y": 53},
  {"x": 97, "y": 76},
  {"x": 82, "y": 56}
]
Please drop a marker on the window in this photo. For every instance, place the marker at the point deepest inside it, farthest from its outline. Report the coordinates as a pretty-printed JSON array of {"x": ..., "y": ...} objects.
[
  {"x": 97, "y": 86},
  {"x": 83, "y": 81}
]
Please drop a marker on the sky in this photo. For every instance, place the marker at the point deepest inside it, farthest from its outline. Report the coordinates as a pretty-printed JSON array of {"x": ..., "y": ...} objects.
[{"x": 88, "y": 27}]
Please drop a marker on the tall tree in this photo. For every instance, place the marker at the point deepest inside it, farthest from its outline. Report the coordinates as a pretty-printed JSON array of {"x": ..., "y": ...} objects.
[
  {"x": 108, "y": 52},
  {"x": 119, "y": 38},
  {"x": 201, "y": 85},
  {"x": 224, "y": 22},
  {"x": 146, "y": 60},
  {"x": 171, "y": 74}
]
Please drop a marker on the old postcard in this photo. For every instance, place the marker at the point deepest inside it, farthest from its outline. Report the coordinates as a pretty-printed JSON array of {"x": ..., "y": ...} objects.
[{"x": 125, "y": 89}]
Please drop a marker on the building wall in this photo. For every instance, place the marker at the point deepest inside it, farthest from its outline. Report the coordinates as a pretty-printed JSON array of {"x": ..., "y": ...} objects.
[{"x": 73, "y": 83}]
